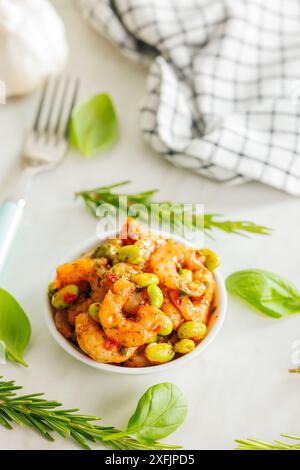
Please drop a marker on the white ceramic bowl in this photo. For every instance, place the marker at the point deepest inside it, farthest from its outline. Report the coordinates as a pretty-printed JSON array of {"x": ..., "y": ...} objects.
[{"x": 214, "y": 326}]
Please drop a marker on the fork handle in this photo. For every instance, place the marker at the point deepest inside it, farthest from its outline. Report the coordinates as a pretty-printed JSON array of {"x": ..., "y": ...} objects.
[{"x": 11, "y": 213}]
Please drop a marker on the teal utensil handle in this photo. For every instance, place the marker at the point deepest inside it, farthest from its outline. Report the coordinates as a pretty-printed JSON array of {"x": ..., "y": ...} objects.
[{"x": 10, "y": 217}]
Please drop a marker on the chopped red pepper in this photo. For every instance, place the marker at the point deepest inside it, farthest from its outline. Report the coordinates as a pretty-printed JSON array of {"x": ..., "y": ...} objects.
[
  {"x": 69, "y": 298},
  {"x": 109, "y": 344},
  {"x": 157, "y": 328},
  {"x": 111, "y": 277},
  {"x": 129, "y": 241}
]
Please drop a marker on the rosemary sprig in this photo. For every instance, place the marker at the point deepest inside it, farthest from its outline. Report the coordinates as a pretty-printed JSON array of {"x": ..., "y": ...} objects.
[
  {"x": 237, "y": 227},
  {"x": 47, "y": 418},
  {"x": 95, "y": 198},
  {"x": 255, "y": 444}
]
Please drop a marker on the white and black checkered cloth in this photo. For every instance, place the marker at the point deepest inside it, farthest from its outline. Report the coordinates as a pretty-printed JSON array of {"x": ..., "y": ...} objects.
[{"x": 223, "y": 96}]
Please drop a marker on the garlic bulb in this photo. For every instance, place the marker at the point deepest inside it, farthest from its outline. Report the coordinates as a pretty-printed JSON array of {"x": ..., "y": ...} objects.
[{"x": 32, "y": 44}]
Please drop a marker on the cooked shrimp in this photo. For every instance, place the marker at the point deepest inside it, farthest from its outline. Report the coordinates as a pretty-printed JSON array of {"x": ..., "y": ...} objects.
[
  {"x": 62, "y": 324},
  {"x": 93, "y": 342},
  {"x": 196, "y": 309},
  {"x": 98, "y": 293},
  {"x": 138, "y": 359},
  {"x": 134, "y": 301},
  {"x": 147, "y": 247},
  {"x": 169, "y": 309},
  {"x": 165, "y": 261},
  {"x": 77, "y": 271},
  {"x": 81, "y": 306},
  {"x": 132, "y": 230},
  {"x": 126, "y": 289},
  {"x": 194, "y": 259},
  {"x": 126, "y": 331}
]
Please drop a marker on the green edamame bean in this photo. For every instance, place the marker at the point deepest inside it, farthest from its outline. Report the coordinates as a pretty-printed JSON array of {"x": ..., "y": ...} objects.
[
  {"x": 94, "y": 311},
  {"x": 52, "y": 288},
  {"x": 123, "y": 270},
  {"x": 195, "y": 330},
  {"x": 155, "y": 295},
  {"x": 184, "y": 346},
  {"x": 159, "y": 353},
  {"x": 152, "y": 340},
  {"x": 106, "y": 250},
  {"x": 130, "y": 254},
  {"x": 65, "y": 296},
  {"x": 166, "y": 325},
  {"x": 186, "y": 274},
  {"x": 212, "y": 260},
  {"x": 145, "y": 279}
]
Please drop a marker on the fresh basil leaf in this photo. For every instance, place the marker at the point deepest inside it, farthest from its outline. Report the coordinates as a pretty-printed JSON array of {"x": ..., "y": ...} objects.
[
  {"x": 3, "y": 354},
  {"x": 15, "y": 327},
  {"x": 266, "y": 291},
  {"x": 160, "y": 411},
  {"x": 93, "y": 125}
]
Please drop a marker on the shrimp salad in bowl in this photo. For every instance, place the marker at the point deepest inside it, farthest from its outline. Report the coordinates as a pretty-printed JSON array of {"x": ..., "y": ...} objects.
[{"x": 137, "y": 300}]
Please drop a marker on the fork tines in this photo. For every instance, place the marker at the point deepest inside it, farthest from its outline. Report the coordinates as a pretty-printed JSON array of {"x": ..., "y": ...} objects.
[{"x": 57, "y": 101}]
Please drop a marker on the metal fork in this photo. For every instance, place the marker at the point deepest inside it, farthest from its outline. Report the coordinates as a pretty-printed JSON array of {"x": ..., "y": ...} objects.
[{"x": 44, "y": 148}]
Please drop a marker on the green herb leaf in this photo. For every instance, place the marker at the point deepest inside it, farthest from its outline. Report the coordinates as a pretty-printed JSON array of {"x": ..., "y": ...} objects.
[
  {"x": 160, "y": 411},
  {"x": 48, "y": 418},
  {"x": 94, "y": 198},
  {"x": 93, "y": 125},
  {"x": 237, "y": 227},
  {"x": 255, "y": 444},
  {"x": 15, "y": 327},
  {"x": 266, "y": 291}
]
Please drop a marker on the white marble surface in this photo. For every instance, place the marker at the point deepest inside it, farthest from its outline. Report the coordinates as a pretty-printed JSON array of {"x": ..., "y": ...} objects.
[{"x": 240, "y": 386}]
